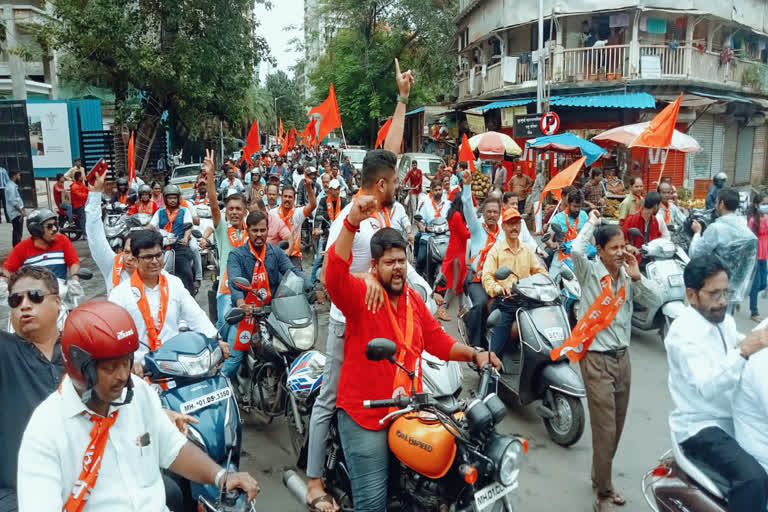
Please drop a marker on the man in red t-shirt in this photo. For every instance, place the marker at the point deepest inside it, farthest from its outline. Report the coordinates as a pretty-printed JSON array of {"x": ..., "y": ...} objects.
[
  {"x": 79, "y": 191},
  {"x": 46, "y": 247},
  {"x": 413, "y": 180},
  {"x": 58, "y": 191},
  {"x": 363, "y": 438},
  {"x": 646, "y": 221}
]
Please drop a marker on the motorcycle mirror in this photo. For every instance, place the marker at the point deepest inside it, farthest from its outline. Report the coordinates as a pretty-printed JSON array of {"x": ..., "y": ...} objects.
[
  {"x": 261, "y": 294},
  {"x": 635, "y": 232},
  {"x": 672, "y": 228},
  {"x": 283, "y": 245},
  {"x": 546, "y": 237},
  {"x": 493, "y": 319},
  {"x": 84, "y": 274},
  {"x": 502, "y": 273},
  {"x": 234, "y": 316},
  {"x": 241, "y": 284},
  {"x": 187, "y": 226},
  {"x": 418, "y": 218},
  {"x": 380, "y": 349},
  {"x": 196, "y": 233},
  {"x": 556, "y": 228}
]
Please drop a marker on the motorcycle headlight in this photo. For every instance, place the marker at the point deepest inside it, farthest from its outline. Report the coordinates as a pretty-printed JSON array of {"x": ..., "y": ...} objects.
[
  {"x": 506, "y": 452},
  {"x": 303, "y": 337},
  {"x": 196, "y": 365}
]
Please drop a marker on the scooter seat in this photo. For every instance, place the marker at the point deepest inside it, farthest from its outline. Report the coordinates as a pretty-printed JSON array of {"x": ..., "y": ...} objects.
[{"x": 692, "y": 471}]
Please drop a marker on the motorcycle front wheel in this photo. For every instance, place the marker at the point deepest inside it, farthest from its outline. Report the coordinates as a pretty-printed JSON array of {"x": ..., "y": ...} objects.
[
  {"x": 73, "y": 234},
  {"x": 297, "y": 440},
  {"x": 567, "y": 425}
]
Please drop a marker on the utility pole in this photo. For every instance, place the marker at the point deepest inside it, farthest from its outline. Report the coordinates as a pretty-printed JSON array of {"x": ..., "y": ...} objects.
[{"x": 540, "y": 67}]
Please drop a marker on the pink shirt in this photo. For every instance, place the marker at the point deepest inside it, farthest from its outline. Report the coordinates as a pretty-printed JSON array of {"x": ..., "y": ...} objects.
[
  {"x": 762, "y": 237},
  {"x": 277, "y": 231}
]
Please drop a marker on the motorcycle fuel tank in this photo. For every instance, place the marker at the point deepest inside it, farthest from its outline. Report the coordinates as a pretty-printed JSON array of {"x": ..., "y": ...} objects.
[{"x": 422, "y": 443}]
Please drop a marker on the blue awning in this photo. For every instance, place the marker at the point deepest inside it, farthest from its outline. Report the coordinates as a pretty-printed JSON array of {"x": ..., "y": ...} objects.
[
  {"x": 415, "y": 111},
  {"x": 620, "y": 100},
  {"x": 568, "y": 142}
]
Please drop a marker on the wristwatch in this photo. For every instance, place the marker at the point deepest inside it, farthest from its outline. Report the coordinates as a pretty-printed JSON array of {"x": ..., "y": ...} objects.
[{"x": 402, "y": 99}]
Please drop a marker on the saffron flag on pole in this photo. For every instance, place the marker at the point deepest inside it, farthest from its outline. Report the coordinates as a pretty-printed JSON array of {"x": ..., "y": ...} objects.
[
  {"x": 131, "y": 160},
  {"x": 465, "y": 153},
  {"x": 280, "y": 135},
  {"x": 382, "y": 135},
  {"x": 328, "y": 111},
  {"x": 251, "y": 143},
  {"x": 562, "y": 180},
  {"x": 658, "y": 133}
]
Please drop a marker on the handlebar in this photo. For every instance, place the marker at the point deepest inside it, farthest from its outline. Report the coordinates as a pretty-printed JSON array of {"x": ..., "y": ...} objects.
[{"x": 399, "y": 402}]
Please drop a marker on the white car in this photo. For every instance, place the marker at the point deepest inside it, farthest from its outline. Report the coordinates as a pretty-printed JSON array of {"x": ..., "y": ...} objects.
[
  {"x": 185, "y": 176},
  {"x": 356, "y": 157},
  {"x": 427, "y": 162}
]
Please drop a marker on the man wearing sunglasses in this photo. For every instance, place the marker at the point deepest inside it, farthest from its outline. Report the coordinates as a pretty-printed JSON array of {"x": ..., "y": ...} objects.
[
  {"x": 156, "y": 300},
  {"x": 31, "y": 366},
  {"x": 46, "y": 247}
]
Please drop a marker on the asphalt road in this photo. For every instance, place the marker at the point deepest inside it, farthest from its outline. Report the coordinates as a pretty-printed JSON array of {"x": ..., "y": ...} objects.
[{"x": 552, "y": 477}]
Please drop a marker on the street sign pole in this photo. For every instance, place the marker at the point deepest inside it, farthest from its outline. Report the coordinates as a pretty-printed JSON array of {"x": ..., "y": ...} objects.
[{"x": 540, "y": 67}]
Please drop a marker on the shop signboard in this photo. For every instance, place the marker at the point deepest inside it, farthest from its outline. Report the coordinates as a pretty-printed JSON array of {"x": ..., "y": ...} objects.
[
  {"x": 476, "y": 123},
  {"x": 49, "y": 134},
  {"x": 528, "y": 127},
  {"x": 508, "y": 115}
]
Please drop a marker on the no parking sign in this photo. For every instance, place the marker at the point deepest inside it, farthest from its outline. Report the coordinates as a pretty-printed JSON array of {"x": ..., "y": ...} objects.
[{"x": 550, "y": 123}]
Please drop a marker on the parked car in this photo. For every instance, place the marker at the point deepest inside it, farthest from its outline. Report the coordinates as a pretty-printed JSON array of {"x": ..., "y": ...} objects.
[
  {"x": 356, "y": 156},
  {"x": 427, "y": 162},
  {"x": 185, "y": 176}
]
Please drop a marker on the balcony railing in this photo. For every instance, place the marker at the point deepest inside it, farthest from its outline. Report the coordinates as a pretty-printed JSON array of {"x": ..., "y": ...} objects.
[
  {"x": 672, "y": 61},
  {"x": 595, "y": 63}
]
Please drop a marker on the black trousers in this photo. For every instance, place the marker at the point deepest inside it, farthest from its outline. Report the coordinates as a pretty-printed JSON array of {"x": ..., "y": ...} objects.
[
  {"x": 735, "y": 472},
  {"x": 4, "y": 206},
  {"x": 478, "y": 314},
  {"x": 8, "y": 501},
  {"x": 18, "y": 229},
  {"x": 184, "y": 266},
  {"x": 174, "y": 496}
]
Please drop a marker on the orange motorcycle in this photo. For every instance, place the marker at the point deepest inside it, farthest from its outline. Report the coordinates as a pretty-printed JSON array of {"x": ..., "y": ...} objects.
[{"x": 446, "y": 453}]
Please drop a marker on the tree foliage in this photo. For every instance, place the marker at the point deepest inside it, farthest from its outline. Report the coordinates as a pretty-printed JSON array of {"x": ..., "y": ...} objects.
[
  {"x": 290, "y": 100},
  {"x": 359, "y": 59},
  {"x": 195, "y": 59}
]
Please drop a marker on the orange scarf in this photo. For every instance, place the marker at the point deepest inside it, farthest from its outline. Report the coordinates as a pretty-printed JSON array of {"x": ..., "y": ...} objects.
[
  {"x": 145, "y": 208},
  {"x": 260, "y": 280},
  {"x": 571, "y": 233},
  {"x": 667, "y": 212},
  {"x": 117, "y": 269},
  {"x": 123, "y": 198},
  {"x": 169, "y": 227},
  {"x": 92, "y": 458},
  {"x": 153, "y": 339},
  {"x": 286, "y": 217},
  {"x": 434, "y": 205},
  {"x": 232, "y": 236},
  {"x": 489, "y": 242},
  {"x": 201, "y": 200},
  {"x": 333, "y": 210},
  {"x": 401, "y": 385},
  {"x": 386, "y": 220},
  {"x": 599, "y": 316}
]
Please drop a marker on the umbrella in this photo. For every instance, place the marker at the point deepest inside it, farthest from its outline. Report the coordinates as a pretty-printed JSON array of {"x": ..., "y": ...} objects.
[
  {"x": 626, "y": 134},
  {"x": 568, "y": 143},
  {"x": 494, "y": 145}
]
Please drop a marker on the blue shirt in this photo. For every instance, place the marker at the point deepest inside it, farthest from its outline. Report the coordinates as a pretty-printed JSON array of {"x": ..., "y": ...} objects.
[
  {"x": 478, "y": 236},
  {"x": 559, "y": 219},
  {"x": 178, "y": 223},
  {"x": 13, "y": 201},
  {"x": 241, "y": 261},
  {"x": 4, "y": 178}
]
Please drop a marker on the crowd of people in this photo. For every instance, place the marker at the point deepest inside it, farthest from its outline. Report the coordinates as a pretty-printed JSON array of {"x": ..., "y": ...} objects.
[{"x": 269, "y": 211}]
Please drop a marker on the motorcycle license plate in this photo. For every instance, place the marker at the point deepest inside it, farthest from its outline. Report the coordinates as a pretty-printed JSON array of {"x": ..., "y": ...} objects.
[
  {"x": 206, "y": 400},
  {"x": 486, "y": 497}
]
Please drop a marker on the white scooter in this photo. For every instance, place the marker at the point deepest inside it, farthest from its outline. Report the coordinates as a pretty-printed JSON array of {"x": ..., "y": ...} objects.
[{"x": 664, "y": 264}]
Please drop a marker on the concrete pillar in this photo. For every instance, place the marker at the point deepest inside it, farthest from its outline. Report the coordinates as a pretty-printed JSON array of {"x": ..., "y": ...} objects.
[
  {"x": 50, "y": 76},
  {"x": 634, "y": 46},
  {"x": 557, "y": 62},
  {"x": 688, "y": 56},
  {"x": 15, "y": 63}
]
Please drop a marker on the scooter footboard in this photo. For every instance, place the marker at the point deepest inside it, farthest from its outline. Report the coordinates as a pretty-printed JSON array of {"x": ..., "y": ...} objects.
[{"x": 561, "y": 376}]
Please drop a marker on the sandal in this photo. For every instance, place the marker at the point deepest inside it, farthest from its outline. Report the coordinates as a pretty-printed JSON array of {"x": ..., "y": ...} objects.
[
  {"x": 756, "y": 319},
  {"x": 325, "y": 498},
  {"x": 617, "y": 499}
]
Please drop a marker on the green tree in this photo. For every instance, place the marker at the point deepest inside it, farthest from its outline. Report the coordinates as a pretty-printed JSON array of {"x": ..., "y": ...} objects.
[
  {"x": 359, "y": 59},
  {"x": 290, "y": 100},
  {"x": 194, "y": 59}
]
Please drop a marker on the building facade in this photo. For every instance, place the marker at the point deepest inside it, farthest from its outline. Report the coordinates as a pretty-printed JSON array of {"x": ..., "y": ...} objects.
[
  {"x": 617, "y": 62},
  {"x": 319, "y": 29}
]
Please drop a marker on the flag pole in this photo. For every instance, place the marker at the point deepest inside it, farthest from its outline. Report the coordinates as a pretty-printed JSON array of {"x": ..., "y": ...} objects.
[
  {"x": 343, "y": 137},
  {"x": 663, "y": 164}
]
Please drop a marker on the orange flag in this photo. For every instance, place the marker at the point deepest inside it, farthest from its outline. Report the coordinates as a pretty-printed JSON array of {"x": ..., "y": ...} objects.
[
  {"x": 131, "y": 160},
  {"x": 291, "y": 140},
  {"x": 280, "y": 135},
  {"x": 465, "y": 153},
  {"x": 329, "y": 114},
  {"x": 383, "y": 131},
  {"x": 251, "y": 143},
  {"x": 562, "y": 180},
  {"x": 658, "y": 133}
]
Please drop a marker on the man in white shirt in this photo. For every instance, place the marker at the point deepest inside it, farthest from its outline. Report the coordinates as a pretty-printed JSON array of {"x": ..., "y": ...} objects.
[
  {"x": 115, "y": 268},
  {"x": 669, "y": 212},
  {"x": 173, "y": 217},
  {"x": 156, "y": 300},
  {"x": 750, "y": 406},
  {"x": 706, "y": 356},
  {"x": 231, "y": 181},
  {"x": 111, "y": 436}
]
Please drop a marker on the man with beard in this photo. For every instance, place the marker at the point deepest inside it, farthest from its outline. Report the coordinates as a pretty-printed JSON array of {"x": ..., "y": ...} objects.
[
  {"x": 433, "y": 205},
  {"x": 669, "y": 213},
  {"x": 633, "y": 203},
  {"x": 260, "y": 263},
  {"x": 30, "y": 364},
  {"x": 707, "y": 356},
  {"x": 231, "y": 181},
  {"x": 293, "y": 218},
  {"x": 404, "y": 317},
  {"x": 571, "y": 221}
]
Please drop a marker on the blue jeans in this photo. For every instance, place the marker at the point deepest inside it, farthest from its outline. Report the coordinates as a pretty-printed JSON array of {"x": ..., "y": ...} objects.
[
  {"x": 67, "y": 208},
  {"x": 501, "y": 332},
  {"x": 758, "y": 285},
  {"x": 367, "y": 455},
  {"x": 318, "y": 260},
  {"x": 232, "y": 363}
]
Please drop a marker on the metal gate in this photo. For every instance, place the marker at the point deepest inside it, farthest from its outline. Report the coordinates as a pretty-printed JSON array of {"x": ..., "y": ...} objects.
[
  {"x": 95, "y": 145},
  {"x": 744, "y": 156},
  {"x": 729, "y": 151},
  {"x": 718, "y": 141},
  {"x": 700, "y": 163},
  {"x": 15, "y": 149}
]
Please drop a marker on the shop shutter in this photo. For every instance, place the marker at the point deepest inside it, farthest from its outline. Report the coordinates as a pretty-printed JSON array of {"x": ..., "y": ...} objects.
[
  {"x": 729, "y": 150},
  {"x": 744, "y": 155},
  {"x": 718, "y": 141},
  {"x": 759, "y": 154},
  {"x": 699, "y": 164}
]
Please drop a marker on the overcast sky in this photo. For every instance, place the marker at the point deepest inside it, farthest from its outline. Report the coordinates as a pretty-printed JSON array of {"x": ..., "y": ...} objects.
[{"x": 273, "y": 21}]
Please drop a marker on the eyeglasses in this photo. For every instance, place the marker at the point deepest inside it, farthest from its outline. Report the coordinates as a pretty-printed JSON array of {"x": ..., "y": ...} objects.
[
  {"x": 36, "y": 296},
  {"x": 717, "y": 295},
  {"x": 150, "y": 257},
  {"x": 51, "y": 226}
]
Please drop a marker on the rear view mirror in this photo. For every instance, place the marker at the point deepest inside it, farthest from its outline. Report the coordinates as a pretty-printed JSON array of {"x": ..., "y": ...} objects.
[
  {"x": 502, "y": 273},
  {"x": 441, "y": 280},
  {"x": 187, "y": 226},
  {"x": 234, "y": 316},
  {"x": 635, "y": 232},
  {"x": 556, "y": 228},
  {"x": 196, "y": 233},
  {"x": 283, "y": 245},
  {"x": 241, "y": 284},
  {"x": 418, "y": 218},
  {"x": 380, "y": 349},
  {"x": 84, "y": 274}
]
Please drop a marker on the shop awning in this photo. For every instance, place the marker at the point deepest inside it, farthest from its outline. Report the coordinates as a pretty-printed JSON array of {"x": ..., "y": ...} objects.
[
  {"x": 733, "y": 97},
  {"x": 415, "y": 111},
  {"x": 619, "y": 100}
]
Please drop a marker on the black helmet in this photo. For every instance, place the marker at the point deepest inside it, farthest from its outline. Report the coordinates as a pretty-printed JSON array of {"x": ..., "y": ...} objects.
[
  {"x": 171, "y": 190},
  {"x": 122, "y": 182},
  {"x": 720, "y": 179},
  {"x": 36, "y": 219}
]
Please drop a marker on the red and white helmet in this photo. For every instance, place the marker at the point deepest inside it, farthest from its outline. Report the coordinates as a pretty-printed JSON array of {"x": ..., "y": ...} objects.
[{"x": 94, "y": 331}]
